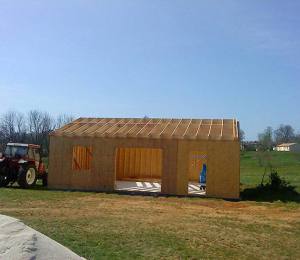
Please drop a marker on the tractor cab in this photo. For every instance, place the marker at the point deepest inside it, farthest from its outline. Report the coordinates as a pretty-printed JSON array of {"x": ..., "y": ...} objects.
[{"x": 22, "y": 163}]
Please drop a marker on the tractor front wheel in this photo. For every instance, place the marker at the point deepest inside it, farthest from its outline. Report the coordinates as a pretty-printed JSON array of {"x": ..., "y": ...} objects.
[{"x": 27, "y": 177}]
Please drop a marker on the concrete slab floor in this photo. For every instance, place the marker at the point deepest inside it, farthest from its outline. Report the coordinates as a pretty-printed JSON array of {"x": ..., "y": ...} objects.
[{"x": 148, "y": 186}]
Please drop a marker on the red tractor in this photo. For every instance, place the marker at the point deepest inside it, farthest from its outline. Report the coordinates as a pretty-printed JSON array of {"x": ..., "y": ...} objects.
[{"x": 22, "y": 163}]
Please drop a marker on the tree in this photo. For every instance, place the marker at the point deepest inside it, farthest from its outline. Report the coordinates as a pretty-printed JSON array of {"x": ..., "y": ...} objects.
[
  {"x": 62, "y": 120},
  {"x": 242, "y": 135},
  {"x": 297, "y": 138},
  {"x": 284, "y": 134},
  {"x": 12, "y": 127},
  {"x": 34, "y": 128},
  {"x": 35, "y": 119},
  {"x": 40, "y": 124},
  {"x": 265, "y": 139}
]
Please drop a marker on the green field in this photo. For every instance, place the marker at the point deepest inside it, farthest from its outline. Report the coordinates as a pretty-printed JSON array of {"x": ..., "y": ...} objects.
[
  {"x": 287, "y": 164},
  {"x": 112, "y": 226}
]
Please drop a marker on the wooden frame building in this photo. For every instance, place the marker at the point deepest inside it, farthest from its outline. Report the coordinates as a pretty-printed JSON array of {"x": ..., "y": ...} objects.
[{"x": 92, "y": 153}]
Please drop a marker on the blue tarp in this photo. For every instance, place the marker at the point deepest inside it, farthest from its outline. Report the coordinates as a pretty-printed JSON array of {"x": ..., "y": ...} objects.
[{"x": 202, "y": 177}]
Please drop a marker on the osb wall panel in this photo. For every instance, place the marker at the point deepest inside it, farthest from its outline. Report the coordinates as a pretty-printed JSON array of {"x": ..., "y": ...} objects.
[
  {"x": 223, "y": 169},
  {"x": 102, "y": 174},
  {"x": 223, "y": 174},
  {"x": 185, "y": 149},
  {"x": 61, "y": 174}
]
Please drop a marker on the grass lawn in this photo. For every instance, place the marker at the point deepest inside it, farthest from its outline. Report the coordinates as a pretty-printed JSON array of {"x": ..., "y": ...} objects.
[
  {"x": 112, "y": 226},
  {"x": 287, "y": 164}
]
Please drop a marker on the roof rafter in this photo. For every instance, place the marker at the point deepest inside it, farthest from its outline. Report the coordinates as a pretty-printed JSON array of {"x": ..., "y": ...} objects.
[
  {"x": 154, "y": 127},
  {"x": 143, "y": 127},
  {"x": 210, "y": 128},
  {"x": 198, "y": 129},
  {"x": 213, "y": 129},
  {"x": 176, "y": 127},
  {"x": 187, "y": 128},
  {"x": 168, "y": 123}
]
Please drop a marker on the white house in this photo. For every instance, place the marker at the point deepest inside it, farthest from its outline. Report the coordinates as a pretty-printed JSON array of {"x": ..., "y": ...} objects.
[{"x": 288, "y": 147}]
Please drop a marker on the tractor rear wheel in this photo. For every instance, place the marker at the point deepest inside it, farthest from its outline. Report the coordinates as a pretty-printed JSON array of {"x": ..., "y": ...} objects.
[{"x": 27, "y": 177}]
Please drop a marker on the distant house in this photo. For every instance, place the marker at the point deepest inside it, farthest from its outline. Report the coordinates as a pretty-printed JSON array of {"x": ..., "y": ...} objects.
[{"x": 288, "y": 147}]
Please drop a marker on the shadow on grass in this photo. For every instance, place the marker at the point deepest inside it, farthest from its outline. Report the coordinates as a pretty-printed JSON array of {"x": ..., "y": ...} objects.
[
  {"x": 263, "y": 193},
  {"x": 277, "y": 188}
]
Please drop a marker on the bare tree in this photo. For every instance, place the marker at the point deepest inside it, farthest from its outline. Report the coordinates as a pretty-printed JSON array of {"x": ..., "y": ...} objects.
[
  {"x": 242, "y": 135},
  {"x": 35, "y": 119},
  {"x": 40, "y": 124},
  {"x": 265, "y": 139},
  {"x": 8, "y": 125},
  {"x": 21, "y": 127},
  {"x": 34, "y": 128},
  {"x": 13, "y": 126},
  {"x": 284, "y": 134},
  {"x": 62, "y": 120},
  {"x": 297, "y": 138}
]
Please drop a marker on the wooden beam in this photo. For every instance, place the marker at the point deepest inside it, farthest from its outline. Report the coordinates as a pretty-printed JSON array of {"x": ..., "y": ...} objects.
[
  {"x": 176, "y": 127},
  {"x": 126, "y": 124},
  {"x": 114, "y": 125},
  {"x": 159, "y": 122},
  {"x": 143, "y": 127},
  {"x": 95, "y": 125},
  {"x": 99, "y": 129},
  {"x": 233, "y": 128},
  {"x": 187, "y": 128},
  {"x": 199, "y": 128},
  {"x": 127, "y": 133},
  {"x": 210, "y": 128},
  {"x": 71, "y": 129},
  {"x": 76, "y": 130},
  {"x": 221, "y": 134},
  {"x": 236, "y": 129},
  {"x": 165, "y": 127}
]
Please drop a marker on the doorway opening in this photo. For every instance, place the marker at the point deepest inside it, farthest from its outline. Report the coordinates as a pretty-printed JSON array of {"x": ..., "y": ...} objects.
[
  {"x": 138, "y": 169},
  {"x": 197, "y": 173}
]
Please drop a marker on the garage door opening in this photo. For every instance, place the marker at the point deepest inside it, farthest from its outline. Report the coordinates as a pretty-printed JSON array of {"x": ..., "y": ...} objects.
[
  {"x": 197, "y": 173},
  {"x": 138, "y": 169}
]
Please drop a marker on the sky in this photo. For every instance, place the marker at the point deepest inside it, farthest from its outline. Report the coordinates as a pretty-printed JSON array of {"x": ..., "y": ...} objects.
[{"x": 166, "y": 58}]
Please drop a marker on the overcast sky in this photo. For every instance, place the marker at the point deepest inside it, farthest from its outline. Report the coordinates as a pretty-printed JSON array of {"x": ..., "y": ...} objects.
[{"x": 190, "y": 59}]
